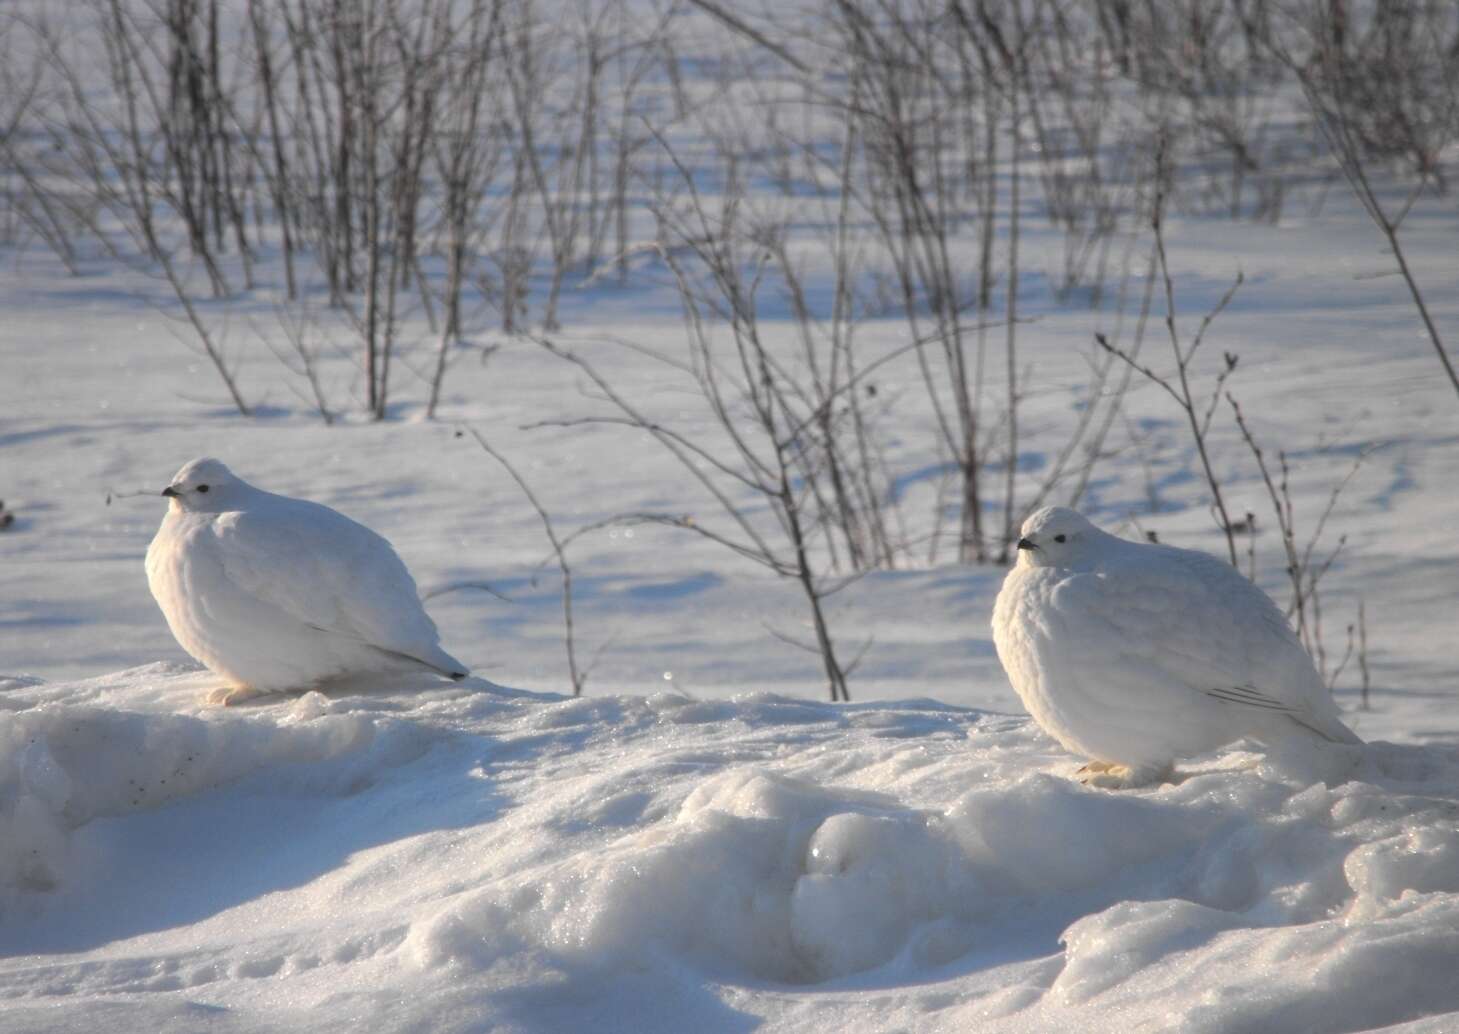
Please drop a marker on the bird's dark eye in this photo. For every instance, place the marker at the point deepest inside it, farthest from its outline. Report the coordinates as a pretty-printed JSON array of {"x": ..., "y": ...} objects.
[
  {"x": 204, "y": 488},
  {"x": 1057, "y": 538}
]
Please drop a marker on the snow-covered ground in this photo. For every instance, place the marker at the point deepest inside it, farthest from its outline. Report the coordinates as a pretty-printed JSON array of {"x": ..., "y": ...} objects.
[
  {"x": 476, "y": 858},
  {"x": 700, "y": 842}
]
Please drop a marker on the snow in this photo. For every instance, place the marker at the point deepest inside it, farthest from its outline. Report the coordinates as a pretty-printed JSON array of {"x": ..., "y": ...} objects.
[
  {"x": 700, "y": 843},
  {"x": 466, "y": 858}
]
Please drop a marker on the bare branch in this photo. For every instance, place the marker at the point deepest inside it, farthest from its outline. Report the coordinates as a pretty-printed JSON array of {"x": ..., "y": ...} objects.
[{"x": 578, "y": 677}]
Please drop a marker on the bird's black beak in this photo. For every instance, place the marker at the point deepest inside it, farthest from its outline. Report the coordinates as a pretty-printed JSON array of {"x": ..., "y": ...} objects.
[
  {"x": 1022, "y": 544},
  {"x": 173, "y": 493}
]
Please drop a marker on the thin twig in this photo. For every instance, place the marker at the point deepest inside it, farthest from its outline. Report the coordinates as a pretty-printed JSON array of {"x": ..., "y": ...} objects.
[
  {"x": 1363, "y": 651},
  {"x": 459, "y": 586},
  {"x": 579, "y": 678}
]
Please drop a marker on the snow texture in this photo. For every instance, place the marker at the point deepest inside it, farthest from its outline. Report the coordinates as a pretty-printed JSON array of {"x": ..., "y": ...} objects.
[
  {"x": 275, "y": 593},
  {"x": 470, "y": 857},
  {"x": 405, "y": 854},
  {"x": 1134, "y": 654}
]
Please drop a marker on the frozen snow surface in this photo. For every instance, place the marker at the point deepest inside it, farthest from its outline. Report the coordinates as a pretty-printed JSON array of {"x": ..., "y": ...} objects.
[{"x": 477, "y": 858}]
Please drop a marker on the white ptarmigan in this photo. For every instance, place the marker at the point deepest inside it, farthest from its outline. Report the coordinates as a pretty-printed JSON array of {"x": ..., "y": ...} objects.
[
  {"x": 1133, "y": 654},
  {"x": 277, "y": 594}
]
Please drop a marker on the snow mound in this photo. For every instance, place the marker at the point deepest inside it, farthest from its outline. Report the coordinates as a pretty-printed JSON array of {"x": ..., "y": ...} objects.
[
  {"x": 62, "y": 766},
  {"x": 467, "y": 857},
  {"x": 762, "y": 877}
]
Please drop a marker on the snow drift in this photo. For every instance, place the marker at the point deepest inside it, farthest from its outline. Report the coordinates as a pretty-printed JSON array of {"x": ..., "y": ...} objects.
[{"x": 479, "y": 856}]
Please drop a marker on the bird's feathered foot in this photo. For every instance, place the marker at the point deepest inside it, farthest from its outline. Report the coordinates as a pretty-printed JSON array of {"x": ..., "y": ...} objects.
[
  {"x": 1109, "y": 776},
  {"x": 232, "y": 696}
]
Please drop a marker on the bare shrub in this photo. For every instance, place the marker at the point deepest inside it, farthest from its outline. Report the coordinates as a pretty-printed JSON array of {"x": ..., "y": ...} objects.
[
  {"x": 1383, "y": 87},
  {"x": 1179, "y": 387},
  {"x": 1305, "y": 566}
]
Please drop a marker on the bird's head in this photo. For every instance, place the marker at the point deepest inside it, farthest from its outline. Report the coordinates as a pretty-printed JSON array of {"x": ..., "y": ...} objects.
[
  {"x": 203, "y": 486},
  {"x": 1056, "y": 537}
]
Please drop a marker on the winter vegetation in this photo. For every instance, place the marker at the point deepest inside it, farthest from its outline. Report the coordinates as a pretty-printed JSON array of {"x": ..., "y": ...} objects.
[{"x": 703, "y": 360}]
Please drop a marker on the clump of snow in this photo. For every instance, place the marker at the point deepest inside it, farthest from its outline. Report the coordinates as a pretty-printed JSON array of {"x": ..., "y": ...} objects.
[
  {"x": 756, "y": 876},
  {"x": 64, "y": 765},
  {"x": 761, "y": 877}
]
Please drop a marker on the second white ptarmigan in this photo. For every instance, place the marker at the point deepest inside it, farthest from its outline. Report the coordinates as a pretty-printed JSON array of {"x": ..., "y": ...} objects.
[
  {"x": 1133, "y": 654},
  {"x": 275, "y": 593}
]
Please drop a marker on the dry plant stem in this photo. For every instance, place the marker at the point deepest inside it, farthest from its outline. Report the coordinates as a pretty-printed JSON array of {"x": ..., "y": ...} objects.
[
  {"x": 296, "y": 328},
  {"x": 835, "y": 674},
  {"x": 1342, "y": 664},
  {"x": 1391, "y": 232},
  {"x": 1250, "y": 546},
  {"x": 842, "y": 444},
  {"x": 739, "y": 25},
  {"x": 1363, "y": 652},
  {"x": 869, "y": 454},
  {"x": 686, "y": 452},
  {"x": 1304, "y": 571},
  {"x": 1199, "y": 423},
  {"x": 772, "y": 414},
  {"x": 1359, "y": 179},
  {"x": 466, "y": 161},
  {"x": 1314, "y": 602},
  {"x": 317, "y": 116},
  {"x": 579, "y": 678},
  {"x": 48, "y": 223},
  {"x": 1283, "y": 511},
  {"x": 1097, "y": 397},
  {"x": 1009, "y": 530},
  {"x": 803, "y": 415},
  {"x": 1115, "y": 408},
  {"x": 279, "y": 180},
  {"x": 121, "y": 146},
  {"x": 772, "y": 477},
  {"x": 1182, "y": 362},
  {"x": 210, "y": 347},
  {"x": 1336, "y": 126},
  {"x": 915, "y": 205},
  {"x": 485, "y": 587}
]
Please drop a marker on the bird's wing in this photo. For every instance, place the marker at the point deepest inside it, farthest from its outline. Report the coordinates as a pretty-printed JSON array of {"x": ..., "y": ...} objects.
[
  {"x": 328, "y": 572},
  {"x": 1176, "y": 618}
]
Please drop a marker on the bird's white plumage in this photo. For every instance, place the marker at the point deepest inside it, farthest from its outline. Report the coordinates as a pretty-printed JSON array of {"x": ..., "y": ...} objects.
[
  {"x": 1134, "y": 654},
  {"x": 276, "y": 593}
]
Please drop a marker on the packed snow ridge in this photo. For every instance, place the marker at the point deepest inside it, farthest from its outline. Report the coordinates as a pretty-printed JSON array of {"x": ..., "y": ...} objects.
[{"x": 461, "y": 840}]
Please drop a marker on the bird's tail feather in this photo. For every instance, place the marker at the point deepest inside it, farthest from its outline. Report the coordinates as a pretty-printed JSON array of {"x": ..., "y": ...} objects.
[
  {"x": 1329, "y": 729},
  {"x": 441, "y": 662}
]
